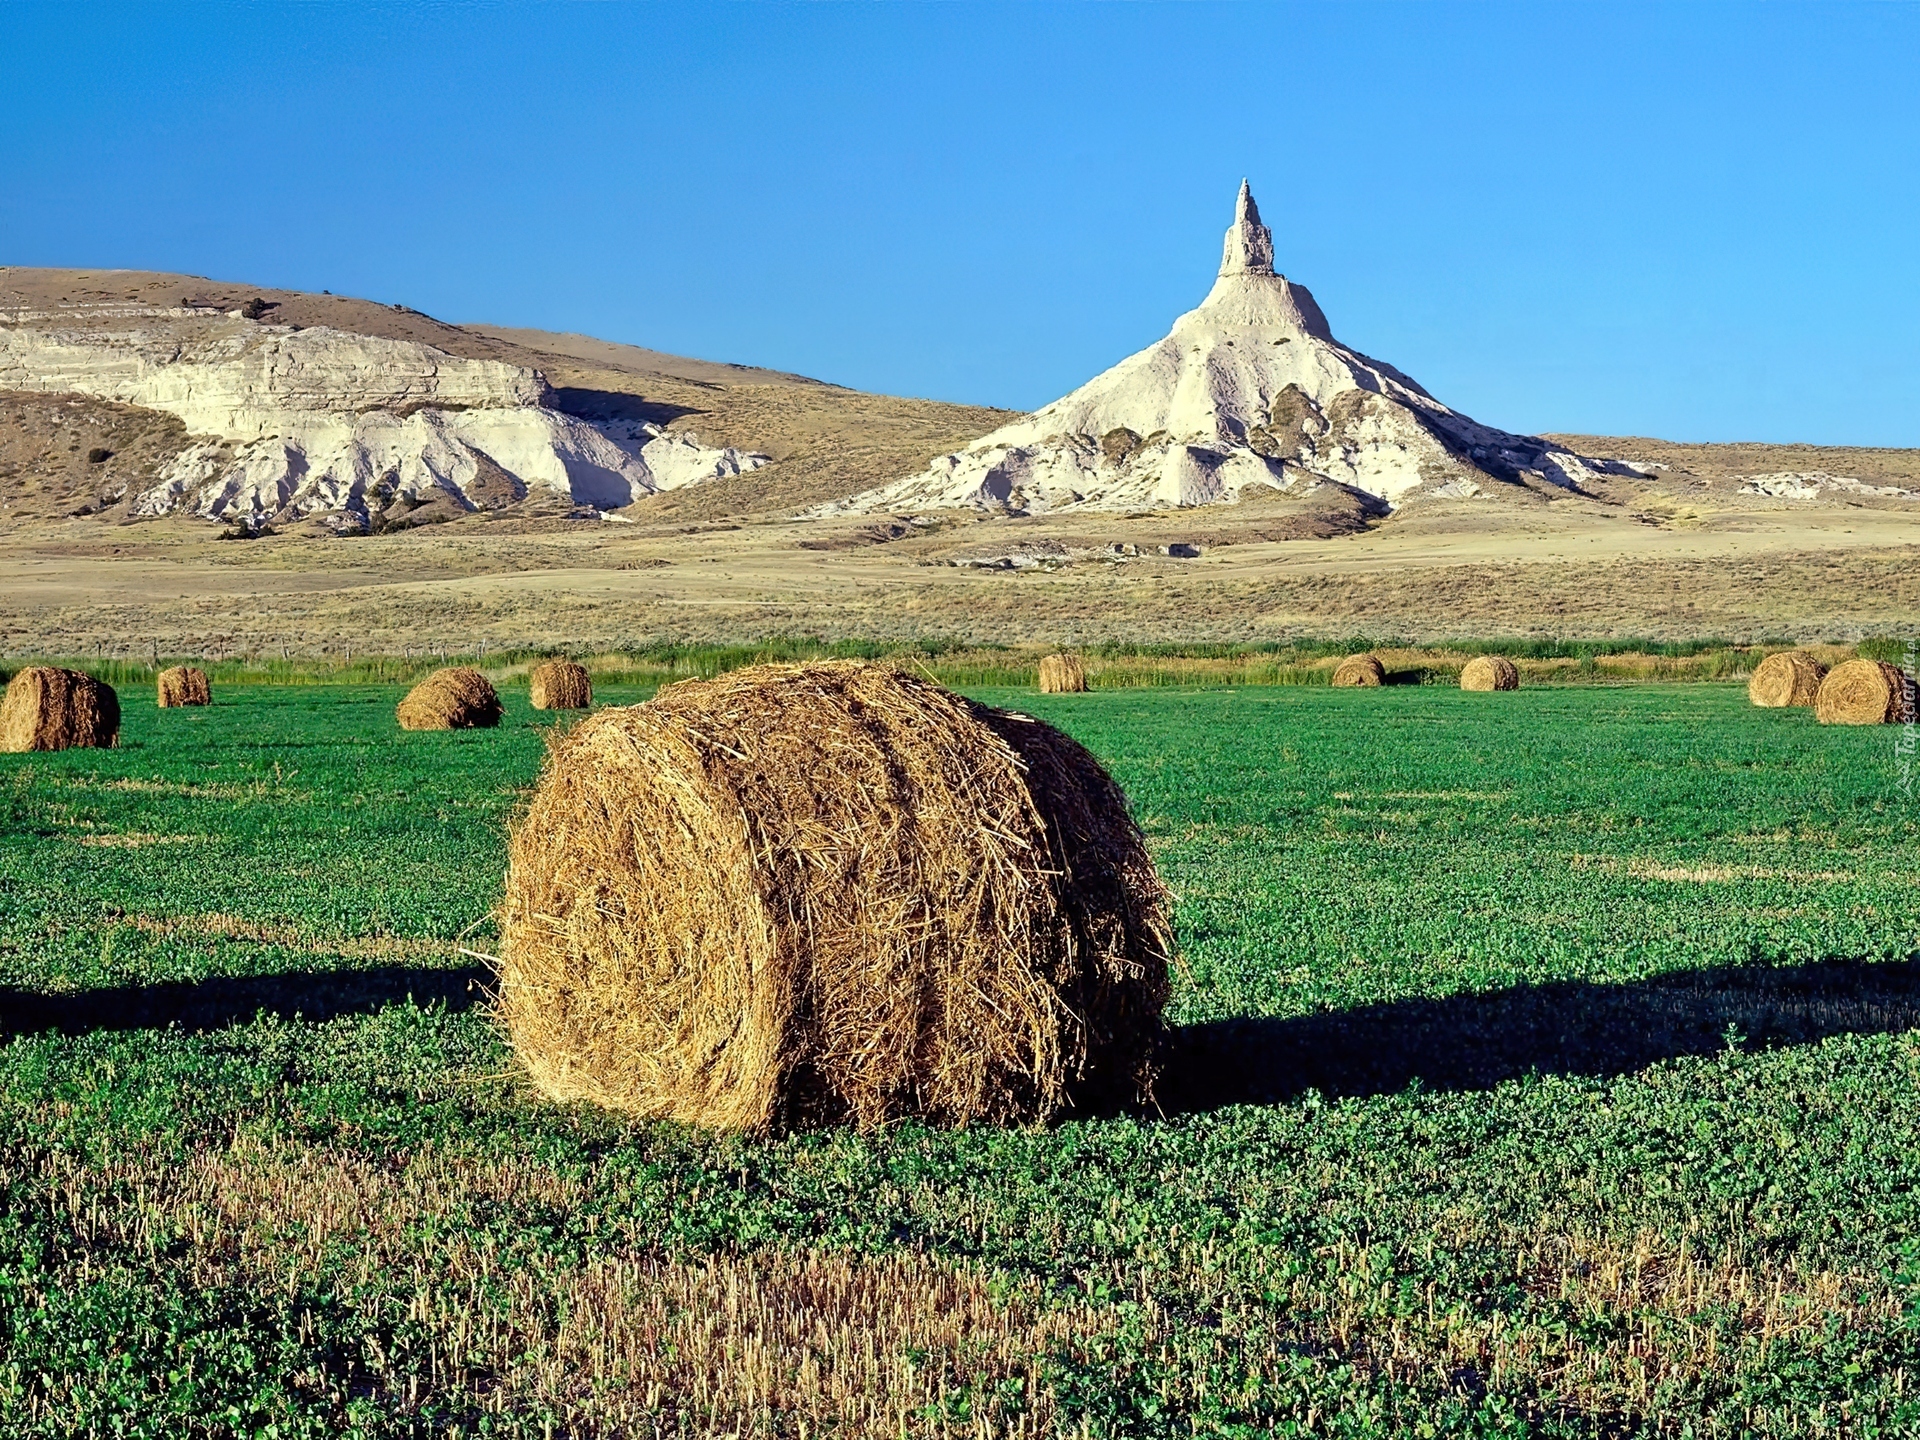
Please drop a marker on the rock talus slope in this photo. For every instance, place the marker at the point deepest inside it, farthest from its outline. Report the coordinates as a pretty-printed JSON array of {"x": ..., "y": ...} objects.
[
  {"x": 287, "y": 421},
  {"x": 1249, "y": 390}
]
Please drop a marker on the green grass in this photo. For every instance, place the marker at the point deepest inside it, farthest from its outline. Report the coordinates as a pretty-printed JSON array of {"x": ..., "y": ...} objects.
[
  {"x": 1111, "y": 665},
  {"x": 1545, "y": 1065}
]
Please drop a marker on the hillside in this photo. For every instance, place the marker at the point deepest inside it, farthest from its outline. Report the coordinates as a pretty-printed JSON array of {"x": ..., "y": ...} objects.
[
  {"x": 822, "y": 440},
  {"x": 1745, "y": 541}
]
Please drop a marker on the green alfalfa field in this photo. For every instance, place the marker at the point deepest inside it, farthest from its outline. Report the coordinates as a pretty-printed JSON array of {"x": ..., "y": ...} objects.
[{"x": 1544, "y": 1064}]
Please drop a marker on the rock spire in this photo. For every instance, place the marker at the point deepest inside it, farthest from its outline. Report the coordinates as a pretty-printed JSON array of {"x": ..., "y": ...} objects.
[
  {"x": 1249, "y": 392},
  {"x": 1249, "y": 249}
]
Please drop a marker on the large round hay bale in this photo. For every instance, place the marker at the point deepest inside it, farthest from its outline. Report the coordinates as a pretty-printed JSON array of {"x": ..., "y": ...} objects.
[
  {"x": 1360, "y": 670},
  {"x": 52, "y": 709},
  {"x": 1489, "y": 672},
  {"x": 1062, "y": 675},
  {"x": 830, "y": 893},
  {"x": 457, "y": 698},
  {"x": 184, "y": 685},
  {"x": 561, "y": 685},
  {"x": 1864, "y": 692},
  {"x": 1791, "y": 677}
]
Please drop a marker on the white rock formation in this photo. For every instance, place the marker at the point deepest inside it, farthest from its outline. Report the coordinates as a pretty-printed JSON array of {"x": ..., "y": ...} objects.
[
  {"x": 1811, "y": 484},
  {"x": 1251, "y": 389},
  {"x": 292, "y": 422},
  {"x": 240, "y": 380}
]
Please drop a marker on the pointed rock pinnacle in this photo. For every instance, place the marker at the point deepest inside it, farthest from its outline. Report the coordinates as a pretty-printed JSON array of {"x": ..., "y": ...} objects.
[{"x": 1249, "y": 249}]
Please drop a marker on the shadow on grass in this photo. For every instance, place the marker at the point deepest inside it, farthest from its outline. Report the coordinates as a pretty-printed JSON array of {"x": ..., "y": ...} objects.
[
  {"x": 1473, "y": 1042},
  {"x": 210, "y": 1004},
  {"x": 1463, "y": 1042}
]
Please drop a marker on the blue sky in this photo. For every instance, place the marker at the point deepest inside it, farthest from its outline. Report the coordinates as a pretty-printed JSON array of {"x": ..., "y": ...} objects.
[{"x": 1686, "y": 220}]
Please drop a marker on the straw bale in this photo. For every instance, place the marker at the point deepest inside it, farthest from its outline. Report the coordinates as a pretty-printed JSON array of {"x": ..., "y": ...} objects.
[
  {"x": 1791, "y": 677},
  {"x": 802, "y": 895},
  {"x": 1062, "y": 675},
  {"x": 184, "y": 685},
  {"x": 52, "y": 709},
  {"x": 1490, "y": 672},
  {"x": 458, "y": 698},
  {"x": 1360, "y": 670},
  {"x": 561, "y": 685},
  {"x": 1865, "y": 692}
]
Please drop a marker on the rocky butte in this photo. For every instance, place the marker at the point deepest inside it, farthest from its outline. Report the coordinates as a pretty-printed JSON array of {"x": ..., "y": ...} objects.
[
  {"x": 1249, "y": 390},
  {"x": 291, "y": 422}
]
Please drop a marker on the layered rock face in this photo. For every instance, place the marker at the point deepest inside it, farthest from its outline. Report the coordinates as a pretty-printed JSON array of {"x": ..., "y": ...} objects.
[
  {"x": 1249, "y": 390},
  {"x": 240, "y": 380},
  {"x": 293, "y": 422}
]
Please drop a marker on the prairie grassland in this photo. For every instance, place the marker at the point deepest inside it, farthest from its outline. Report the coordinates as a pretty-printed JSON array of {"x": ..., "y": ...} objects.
[
  {"x": 1544, "y": 1063},
  {"x": 79, "y": 587}
]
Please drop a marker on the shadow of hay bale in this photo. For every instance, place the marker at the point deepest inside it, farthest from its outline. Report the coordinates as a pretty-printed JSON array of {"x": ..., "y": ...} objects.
[
  {"x": 1474, "y": 1042},
  {"x": 220, "y": 1001}
]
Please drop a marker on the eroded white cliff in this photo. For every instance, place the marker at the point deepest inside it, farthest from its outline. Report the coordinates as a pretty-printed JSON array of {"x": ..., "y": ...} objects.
[{"x": 292, "y": 422}]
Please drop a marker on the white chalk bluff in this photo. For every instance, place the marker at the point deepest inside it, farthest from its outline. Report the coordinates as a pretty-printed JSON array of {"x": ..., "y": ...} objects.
[
  {"x": 1249, "y": 390},
  {"x": 289, "y": 422}
]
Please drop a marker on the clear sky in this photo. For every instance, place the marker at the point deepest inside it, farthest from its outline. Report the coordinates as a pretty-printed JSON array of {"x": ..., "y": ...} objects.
[{"x": 1687, "y": 220}]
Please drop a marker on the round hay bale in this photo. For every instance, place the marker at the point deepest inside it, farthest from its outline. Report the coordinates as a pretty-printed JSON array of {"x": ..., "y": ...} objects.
[
  {"x": 1490, "y": 672},
  {"x": 457, "y": 698},
  {"x": 802, "y": 895},
  {"x": 561, "y": 685},
  {"x": 1791, "y": 677},
  {"x": 1864, "y": 692},
  {"x": 52, "y": 709},
  {"x": 184, "y": 685},
  {"x": 1360, "y": 670},
  {"x": 1062, "y": 675}
]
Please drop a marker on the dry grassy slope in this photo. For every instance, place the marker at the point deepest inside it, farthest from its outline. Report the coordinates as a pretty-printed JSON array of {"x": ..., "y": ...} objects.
[
  {"x": 637, "y": 359},
  {"x": 37, "y": 288},
  {"x": 45, "y": 441}
]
